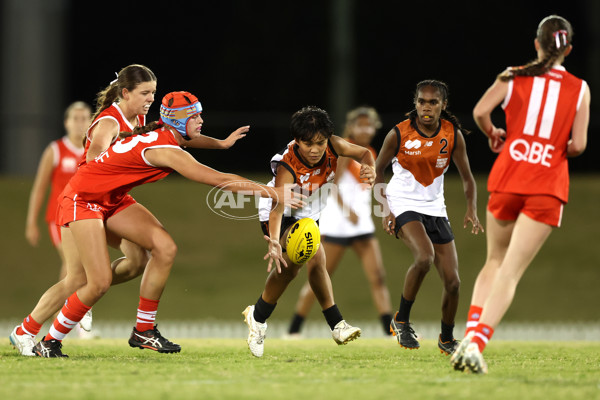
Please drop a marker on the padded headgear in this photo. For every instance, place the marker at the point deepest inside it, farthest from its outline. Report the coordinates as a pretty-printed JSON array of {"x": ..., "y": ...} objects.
[{"x": 177, "y": 108}]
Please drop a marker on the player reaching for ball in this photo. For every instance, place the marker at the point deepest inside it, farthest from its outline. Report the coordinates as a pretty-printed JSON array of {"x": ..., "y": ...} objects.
[
  {"x": 420, "y": 149},
  {"x": 547, "y": 115},
  {"x": 121, "y": 107},
  {"x": 310, "y": 161},
  {"x": 347, "y": 222},
  {"x": 97, "y": 195}
]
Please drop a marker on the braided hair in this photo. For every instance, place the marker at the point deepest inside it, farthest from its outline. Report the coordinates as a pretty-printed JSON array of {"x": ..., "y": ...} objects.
[
  {"x": 447, "y": 115},
  {"x": 140, "y": 130},
  {"x": 554, "y": 34}
]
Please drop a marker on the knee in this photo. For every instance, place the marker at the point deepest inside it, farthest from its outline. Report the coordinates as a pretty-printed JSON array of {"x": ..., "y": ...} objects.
[
  {"x": 377, "y": 279},
  {"x": 423, "y": 262},
  {"x": 99, "y": 287},
  {"x": 165, "y": 249},
  {"x": 290, "y": 272},
  {"x": 74, "y": 281},
  {"x": 452, "y": 286}
]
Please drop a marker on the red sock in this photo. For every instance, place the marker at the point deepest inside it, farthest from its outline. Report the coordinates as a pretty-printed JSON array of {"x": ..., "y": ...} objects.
[
  {"x": 483, "y": 333},
  {"x": 29, "y": 326},
  {"x": 68, "y": 317},
  {"x": 146, "y": 314},
  {"x": 473, "y": 318}
]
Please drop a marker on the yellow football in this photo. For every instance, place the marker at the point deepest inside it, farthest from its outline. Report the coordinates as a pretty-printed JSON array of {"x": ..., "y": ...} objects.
[{"x": 303, "y": 241}]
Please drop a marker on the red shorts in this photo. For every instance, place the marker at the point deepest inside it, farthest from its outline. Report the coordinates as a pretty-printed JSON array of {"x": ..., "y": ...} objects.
[
  {"x": 542, "y": 208},
  {"x": 54, "y": 231},
  {"x": 74, "y": 209}
]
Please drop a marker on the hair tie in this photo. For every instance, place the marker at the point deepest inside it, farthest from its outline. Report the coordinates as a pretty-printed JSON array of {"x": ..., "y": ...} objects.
[
  {"x": 564, "y": 37},
  {"x": 117, "y": 74},
  {"x": 160, "y": 122}
]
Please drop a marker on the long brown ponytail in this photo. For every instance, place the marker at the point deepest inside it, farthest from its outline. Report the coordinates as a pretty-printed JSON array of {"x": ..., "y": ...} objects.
[
  {"x": 554, "y": 34},
  {"x": 128, "y": 78}
]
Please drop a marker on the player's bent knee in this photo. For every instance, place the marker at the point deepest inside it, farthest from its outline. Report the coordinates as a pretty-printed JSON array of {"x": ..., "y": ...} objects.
[
  {"x": 452, "y": 286},
  {"x": 423, "y": 262},
  {"x": 72, "y": 283},
  {"x": 98, "y": 288},
  {"x": 165, "y": 249}
]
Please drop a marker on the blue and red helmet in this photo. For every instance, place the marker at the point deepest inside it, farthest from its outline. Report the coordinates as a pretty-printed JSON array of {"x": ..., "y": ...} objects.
[{"x": 177, "y": 108}]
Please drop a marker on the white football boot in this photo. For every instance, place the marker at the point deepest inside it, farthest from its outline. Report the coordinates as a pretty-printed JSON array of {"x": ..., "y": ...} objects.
[
  {"x": 86, "y": 321},
  {"x": 457, "y": 358},
  {"x": 23, "y": 343},
  {"x": 343, "y": 332},
  {"x": 257, "y": 332},
  {"x": 473, "y": 360}
]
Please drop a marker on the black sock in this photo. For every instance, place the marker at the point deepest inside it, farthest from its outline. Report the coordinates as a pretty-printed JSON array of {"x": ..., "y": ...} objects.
[
  {"x": 385, "y": 321},
  {"x": 404, "y": 310},
  {"x": 263, "y": 310},
  {"x": 296, "y": 324},
  {"x": 333, "y": 316},
  {"x": 447, "y": 333}
]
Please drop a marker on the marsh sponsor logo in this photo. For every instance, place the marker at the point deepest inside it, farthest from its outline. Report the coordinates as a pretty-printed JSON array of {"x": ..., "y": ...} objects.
[{"x": 412, "y": 144}]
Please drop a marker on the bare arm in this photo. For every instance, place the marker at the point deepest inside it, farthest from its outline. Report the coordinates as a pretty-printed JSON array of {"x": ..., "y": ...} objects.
[
  {"x": 483, "y": 110},
  {"x": 182, "y": 162},
  {"x": 37, "y": 195},
  {"x": 207, "y": 142},
  {"x": 102, "y": 136},
  {"x": 461, "y": 160},
  {"x": 358, "y": 153},
  {"x": 387, "y": 153},
  {"x": 578, "y": 141},
  {"x": 275, "y": 252}
]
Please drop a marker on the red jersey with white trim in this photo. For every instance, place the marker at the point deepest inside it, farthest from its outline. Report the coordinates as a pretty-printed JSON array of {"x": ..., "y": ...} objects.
[
  {"x": 115, "y": 113},
  {"x": 66, "y": 158},
  {"x": 419, "y": 167},
  {"x": 539, "y": 117},
  {"x": 120, "y": 168},
  {"x": 310, "y": 179}
]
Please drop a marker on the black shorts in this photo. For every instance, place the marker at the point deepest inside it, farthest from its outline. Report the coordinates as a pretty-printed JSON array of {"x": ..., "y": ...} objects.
[
  {"x": 346, "y": 241},
  {"x": 285, "y": 223},
  {"x": 437, "y": 228}
]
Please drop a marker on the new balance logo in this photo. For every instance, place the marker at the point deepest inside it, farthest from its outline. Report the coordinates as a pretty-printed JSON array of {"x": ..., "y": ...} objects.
[{"x": 412, "y": 144}]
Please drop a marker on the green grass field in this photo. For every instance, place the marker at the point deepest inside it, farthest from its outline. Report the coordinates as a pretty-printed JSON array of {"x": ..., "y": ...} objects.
[
  {"x": 315, "y": 369},
  {"x": 219, "y": 268}
]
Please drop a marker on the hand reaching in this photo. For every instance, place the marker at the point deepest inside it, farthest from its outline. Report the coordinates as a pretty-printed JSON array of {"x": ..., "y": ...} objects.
[
  {"x": 236, "y": 135},
  {"x": 275, "y": 253}
]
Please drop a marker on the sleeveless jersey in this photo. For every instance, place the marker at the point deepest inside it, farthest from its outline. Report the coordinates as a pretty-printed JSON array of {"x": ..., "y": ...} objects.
[
  {"x": 115, "y": 113},
  {"x": 539, "y": 116},
  {"x": 66, "y": 157},
  {"x": 309, "y": 179},
  {"x": 108, "y": 178},
  {"x": 419, "y": 167},
  {"x": 356, "y": 195}
]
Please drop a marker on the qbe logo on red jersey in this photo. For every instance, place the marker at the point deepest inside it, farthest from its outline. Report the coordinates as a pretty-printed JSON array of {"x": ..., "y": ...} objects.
[{"x": 534, "y": 153}]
